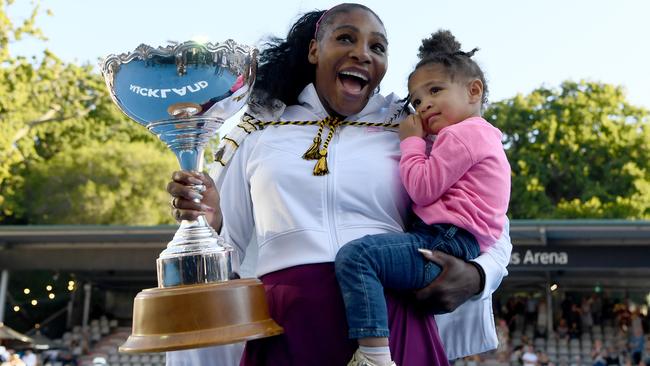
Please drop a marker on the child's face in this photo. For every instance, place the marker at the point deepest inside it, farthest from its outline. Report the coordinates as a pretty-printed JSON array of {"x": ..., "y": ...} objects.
[{"x": 439, "y": 101}]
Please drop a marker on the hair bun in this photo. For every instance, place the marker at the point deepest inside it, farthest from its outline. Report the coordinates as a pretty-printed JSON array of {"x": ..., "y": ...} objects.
[{"x": 440, "y": 42}]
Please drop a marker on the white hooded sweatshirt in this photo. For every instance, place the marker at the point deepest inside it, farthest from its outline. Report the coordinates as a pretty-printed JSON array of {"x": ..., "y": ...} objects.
[{"x": 279, "y": 215}]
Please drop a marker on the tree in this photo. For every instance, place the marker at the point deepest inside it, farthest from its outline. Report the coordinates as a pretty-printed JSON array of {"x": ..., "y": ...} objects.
[
  {"x": 101, "y": 183},
  {"x": 580, "y": 151},
  {"x": 49, "y": 108}
]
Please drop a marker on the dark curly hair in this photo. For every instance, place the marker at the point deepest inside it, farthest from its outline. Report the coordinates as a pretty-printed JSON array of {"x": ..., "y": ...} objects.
[
  {"x": 284, "y": 69},
  {"x": 443, "y": 48}
]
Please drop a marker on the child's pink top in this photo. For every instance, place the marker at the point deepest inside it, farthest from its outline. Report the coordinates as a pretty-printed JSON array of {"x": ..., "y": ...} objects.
[{"x": 464, "y": 181}]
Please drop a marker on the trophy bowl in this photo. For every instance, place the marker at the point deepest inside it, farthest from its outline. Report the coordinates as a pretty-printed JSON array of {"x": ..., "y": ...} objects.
[{"x": 183, "y": 93}]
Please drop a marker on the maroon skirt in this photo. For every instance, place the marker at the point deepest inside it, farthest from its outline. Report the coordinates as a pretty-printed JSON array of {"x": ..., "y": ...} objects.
[{"x": 306, "y": 301}]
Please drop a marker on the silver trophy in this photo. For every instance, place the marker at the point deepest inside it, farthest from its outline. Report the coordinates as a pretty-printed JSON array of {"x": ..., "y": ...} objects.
[{"x": 183, "y": 93}]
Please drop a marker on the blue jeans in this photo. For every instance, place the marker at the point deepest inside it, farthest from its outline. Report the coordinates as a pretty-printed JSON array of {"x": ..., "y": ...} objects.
[{"x": 366, "y": 265}]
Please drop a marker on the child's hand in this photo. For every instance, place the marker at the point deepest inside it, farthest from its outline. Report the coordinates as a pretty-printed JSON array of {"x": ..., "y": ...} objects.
[{"x": 411, "y": 126}]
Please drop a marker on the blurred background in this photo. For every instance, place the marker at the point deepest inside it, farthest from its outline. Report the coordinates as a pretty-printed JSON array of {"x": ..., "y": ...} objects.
[{"x": 83, "y": 207}]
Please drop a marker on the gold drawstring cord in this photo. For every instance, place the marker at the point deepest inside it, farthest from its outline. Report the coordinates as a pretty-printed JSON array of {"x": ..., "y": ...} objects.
[
  {"x": 312, "y": 152},
  {"x": 321, "y": 165},
  {"x": 260, "y": 125}
]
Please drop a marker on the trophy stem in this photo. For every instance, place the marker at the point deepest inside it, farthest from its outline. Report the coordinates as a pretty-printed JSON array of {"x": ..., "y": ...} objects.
[
  {"x": 187, "y": 137},
  {"x": 196, "y": 254}
]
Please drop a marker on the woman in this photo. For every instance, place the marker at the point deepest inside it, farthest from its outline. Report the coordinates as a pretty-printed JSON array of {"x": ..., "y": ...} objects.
[{"x": 298, "y": 213}]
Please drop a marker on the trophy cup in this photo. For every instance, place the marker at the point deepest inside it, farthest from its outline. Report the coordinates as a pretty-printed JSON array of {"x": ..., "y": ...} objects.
[{"x": 183, "y": 93}]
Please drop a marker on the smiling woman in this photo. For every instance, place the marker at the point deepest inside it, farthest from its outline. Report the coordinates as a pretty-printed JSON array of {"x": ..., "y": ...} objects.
[
  {"x": 290, "y": 222},
  {"x": 350, "y": 58}
]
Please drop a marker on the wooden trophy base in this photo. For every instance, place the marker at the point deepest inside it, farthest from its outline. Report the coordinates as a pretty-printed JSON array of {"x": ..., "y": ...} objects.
[{"x": 182, "y": 317}]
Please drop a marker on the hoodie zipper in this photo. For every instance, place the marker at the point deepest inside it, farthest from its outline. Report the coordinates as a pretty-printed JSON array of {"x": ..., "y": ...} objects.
[{"x": 331, "y": 213}]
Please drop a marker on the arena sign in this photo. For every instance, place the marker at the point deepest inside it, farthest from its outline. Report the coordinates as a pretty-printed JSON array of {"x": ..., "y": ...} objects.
[
  {"x": 530, "y": 257},
  {"x": 579, "y": 257}
]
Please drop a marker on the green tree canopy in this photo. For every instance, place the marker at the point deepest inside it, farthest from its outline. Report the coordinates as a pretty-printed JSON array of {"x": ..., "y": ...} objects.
[
  {"x": 49, "y": 108},
  {"x": 580, "y": 151},
  {"x": 101, "y": 183}
]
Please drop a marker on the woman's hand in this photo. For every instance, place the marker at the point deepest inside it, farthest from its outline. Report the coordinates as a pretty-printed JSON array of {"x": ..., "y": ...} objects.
[
  {"x": 411, "y": 126},
  {"x": 457, "y": 282},
  {"x": 189, "y": 200}
]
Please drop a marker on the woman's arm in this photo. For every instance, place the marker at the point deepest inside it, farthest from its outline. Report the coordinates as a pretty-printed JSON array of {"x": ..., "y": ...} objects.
[
  {"x": 236, "y": 203},
  {"x": 459, "y": 280},
  {"x": 495, "y": 260},
  {"x": 226, "y": 200}
]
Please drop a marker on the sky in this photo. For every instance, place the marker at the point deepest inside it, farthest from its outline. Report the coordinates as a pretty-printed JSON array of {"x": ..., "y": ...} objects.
[{"x": 524, "y": 44}]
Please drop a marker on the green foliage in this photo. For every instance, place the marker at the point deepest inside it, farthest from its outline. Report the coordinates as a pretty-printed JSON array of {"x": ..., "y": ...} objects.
[
  {"x": 49, "y": 108},
  {"x": 101, "y": 183},
  {"x": 580, "y": 151},
  {"x": 10, "y": 33},
  {"x": 68, "y": 155}
]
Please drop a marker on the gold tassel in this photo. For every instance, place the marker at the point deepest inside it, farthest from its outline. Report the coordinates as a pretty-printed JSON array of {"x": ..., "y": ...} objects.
[
  {"x": 321, "y": 165},
  {"x": 312, "y": 152}
]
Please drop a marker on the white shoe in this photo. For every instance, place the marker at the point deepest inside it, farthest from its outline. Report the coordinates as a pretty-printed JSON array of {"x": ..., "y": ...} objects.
[{"x": 359, "y": 359}]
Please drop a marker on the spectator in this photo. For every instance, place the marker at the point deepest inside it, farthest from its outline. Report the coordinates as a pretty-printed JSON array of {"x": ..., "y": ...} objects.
[
  {"x": 586, "y": 317},
  {"x": 14, "y": 360},
  {"x": 574, "y": 331},
  {"x": 543, "y": 359},
  {"x": 636, "y": 322},
  {"x": 503, "y": 336},
  {"x": 76, "y": 348},
  {"x": 529, "y": 358},
  {"x": 542, "y": 318},
  {"x": 29, "y": 358},
  {"x": 520, "y": 310},
  {"x": 598, "y": 353},
  {"x": 566, "y": 305},
  {"x": 4, "y": 354},
  {"x": 474, "y": 360},
  {"x": 637, "y": 345},
  {"x": 516, "y": 355},
  {"x": 597, "y": 308},
  {"x": 611, "y": 357},
  {"x": 646, "y": 353},
  {"x": 562, "y": 329},
  {"x": 626, "y": 332},
  {"x": 531, "y": 309},
  {"x": 575, "y": 318}
]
